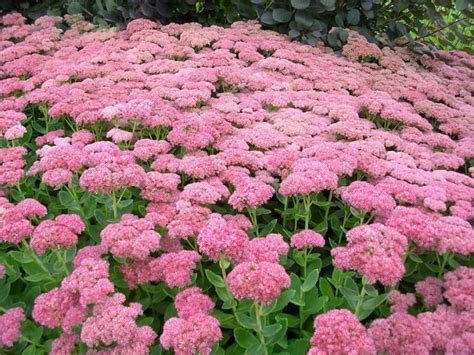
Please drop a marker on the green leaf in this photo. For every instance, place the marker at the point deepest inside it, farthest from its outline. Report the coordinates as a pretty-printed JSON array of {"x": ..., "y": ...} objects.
[
  {"x": 4, "y": 292},
  {"x": 74, "y": 8},
  {"x": 281, "y": 15},
  {"x": 246, "y": 321},
  {"x": 66, "y": 199},
  {"x": 21, "y": 257},
  {"x": 269, "y": 227},
  {"x": 303, "y": 19},
  {"x": 271, "y": 330},
  {"x": 329, "y": 4},
  {"x": 245, "y": 338},
  {"x": 326, "y": 288},
  {"x": 415, "y": 258},
  {"x": 310, "y": 281},
  {"x": 461, "y": 5},
  {"x": 300, "y": 4},
  {"x": 353, "y": 17},
  {"x": 298, "y": 347},
  {"x": 350, "y": 291},
  {"x": 215, "y": 279},
  {"x": 284, "y": 299},
  {"x": 337, "y": 277}
]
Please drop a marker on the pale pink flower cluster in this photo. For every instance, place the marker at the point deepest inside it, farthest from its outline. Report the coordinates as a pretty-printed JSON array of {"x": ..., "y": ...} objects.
[
  {"x": 194, "y": 330},
  {"x": 63, "y": 232}
]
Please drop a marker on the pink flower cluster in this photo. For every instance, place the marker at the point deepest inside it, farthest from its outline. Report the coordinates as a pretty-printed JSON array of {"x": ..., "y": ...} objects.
[
  {"x": 60, "y": 232},
  {"x": 14, "y": 223},
  {"x": 10, "y": 323},
  {"x": 340, "y": 332},
  {"x": 375, "y": 251},
  {"x": 262, "y": 282},
  {"x": 194, "y": 330},
  {"x": 132, "y": 237}
]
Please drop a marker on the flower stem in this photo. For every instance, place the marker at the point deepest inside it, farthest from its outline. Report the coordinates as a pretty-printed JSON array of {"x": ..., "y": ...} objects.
[
  {"x": 258, "y": 312},
  {"x": 253, "y": 217},
  {"x": 61, "y": 259},
  {"x": 285, "y": 207},
  {"x": 360, "y": 302},
  {"x": 38, "y": 261},
  {"x": 328, "y": 207}
]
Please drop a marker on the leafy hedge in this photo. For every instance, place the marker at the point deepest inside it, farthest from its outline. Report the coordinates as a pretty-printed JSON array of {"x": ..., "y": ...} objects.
[{"x": 447, "y": 24}]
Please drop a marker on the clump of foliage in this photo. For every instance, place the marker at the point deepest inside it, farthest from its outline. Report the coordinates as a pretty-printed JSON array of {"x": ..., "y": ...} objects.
[{"x": 446, "y": 24}]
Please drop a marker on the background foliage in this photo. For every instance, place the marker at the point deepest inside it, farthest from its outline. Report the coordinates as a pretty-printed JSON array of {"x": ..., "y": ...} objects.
[{"x": 446, "y": 24}]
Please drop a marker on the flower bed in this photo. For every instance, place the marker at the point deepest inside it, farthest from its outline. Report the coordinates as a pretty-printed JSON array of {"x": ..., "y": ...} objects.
[{"x": 207, "y": 189}]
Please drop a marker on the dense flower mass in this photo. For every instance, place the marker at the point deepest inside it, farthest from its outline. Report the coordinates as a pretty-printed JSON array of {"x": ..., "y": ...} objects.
[
  {"x": 340, "y": 332},
  {"x": 10, "y": 323},
  {"x": 229, "y": 185},
  {"x": 375, "y": 251},
  {"x": 261, "y": 282}
]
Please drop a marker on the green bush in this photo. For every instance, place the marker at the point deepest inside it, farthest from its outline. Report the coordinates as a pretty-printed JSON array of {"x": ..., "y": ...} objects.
[{"x": 446, "y": 24}]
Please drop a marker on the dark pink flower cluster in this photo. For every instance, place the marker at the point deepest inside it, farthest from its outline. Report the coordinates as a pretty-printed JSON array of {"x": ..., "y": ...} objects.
[{"x": 194, "y": 330}]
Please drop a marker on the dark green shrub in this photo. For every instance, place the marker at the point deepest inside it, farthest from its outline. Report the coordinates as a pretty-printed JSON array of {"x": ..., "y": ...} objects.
[{"x": 447, "y": 24}]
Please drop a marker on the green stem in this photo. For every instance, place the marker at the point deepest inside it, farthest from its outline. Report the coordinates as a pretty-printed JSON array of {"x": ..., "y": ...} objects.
[
  {"x": 446, "y": 257},
  {"x": 285, "y": 207},
  {"x": 253, "y": 217},
  {"x": 328, "y": 207},
  {"x": 360, "y": 302},
  {"x": 61, "y": 259},
  {"x": 307, "y": 208},
  {"x": 38, "y": 261},
  {"x": 224, "y": 276},
  {"x": 114, "y": 204},
  {"x": 258, "y": 312}
]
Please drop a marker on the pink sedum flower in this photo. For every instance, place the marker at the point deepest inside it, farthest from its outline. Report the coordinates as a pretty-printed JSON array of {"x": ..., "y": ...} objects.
[
  {"x": 10, "y": 323},
  {"x": 459, "y": 288},
  {"x": 176, "y": 269},
  {"x": 261, "y": 282},
  {"x": 400, "y": 333},
  {"x": 251, "y": 193},
  {"x": 431, "y": 291},
  {"x": 375, "y": 251},
  {"x": 268, "y": 249},
  {"x": 218, "y": 237},
  {"x": 132, "y": 237},
  {"x": 191, "y": 302},
  {"x": 340, "y": 332},
  {"x": 194, "y": 334},
  {"x": 60, "y": 232},
  {"x": 401, "y": 302},
  {"x": 307, "y": 239},
  {"x": 113, "y": 324}
]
